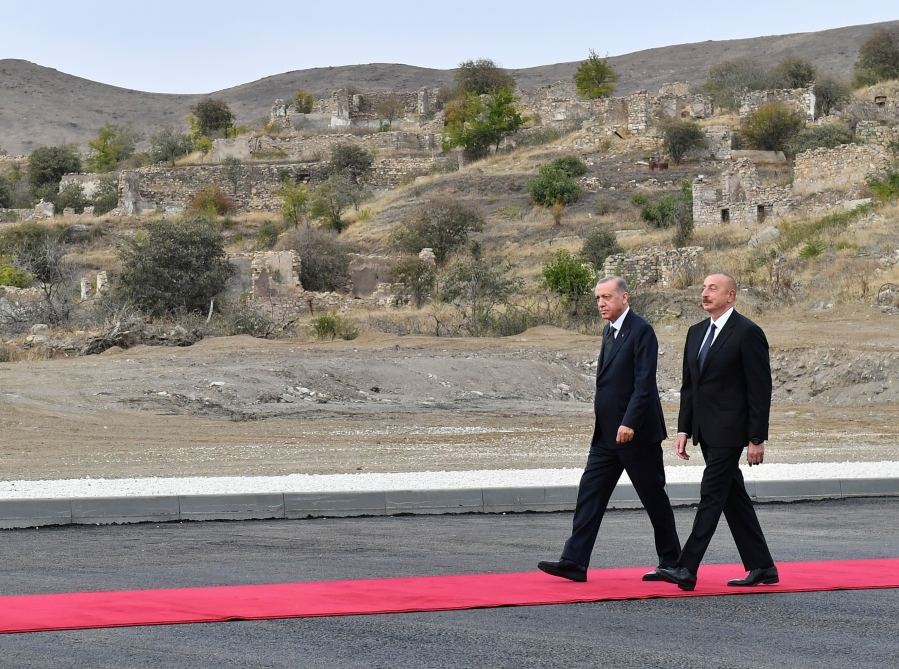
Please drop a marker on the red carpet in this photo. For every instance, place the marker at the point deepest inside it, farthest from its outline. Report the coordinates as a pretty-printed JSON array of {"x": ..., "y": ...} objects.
[{"x": 82, "y": 610}]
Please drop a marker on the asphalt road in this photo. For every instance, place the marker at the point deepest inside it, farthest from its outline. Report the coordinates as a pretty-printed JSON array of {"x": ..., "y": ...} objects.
[{"x": 857, "y": 629}]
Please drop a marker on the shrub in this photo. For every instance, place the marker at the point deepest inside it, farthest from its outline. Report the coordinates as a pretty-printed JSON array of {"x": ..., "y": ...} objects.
[
  {"x": 878, "y": 58},
  {"x": 569, "y": 277},
  {"x": 296, "y": 200},
  {"x": 167, "y": 146},
  {"x": 210, "y": 202},
  {"x": 681, "y": 137},
  {"x": 112, "y": 145},
  {"x": 812, "y": 249},
  {"x": 727, "y": 81},
  {"x": 10, "y": 276},
  {"x": 324, "y": 259},
  {"x": 267, "y": 234},
  {"x": 418, "y": 278},
  {"x": 552, "y": 185},
  {"x": 669, "y": 209},
  {"x": 885, "y": 186},
  {"x": 477, "y": 286},
  {"x": 106, "y": 197},
  {"x": 442, "y": 225},
  {"x": 792, "y": 72},
  {"x": 171, "y": 267},
  {"x": 825, "y": 136},
  {"x": 830, "y": 96},
  {"x": 482, "y": 77},
  {"x": 599, "y": 244},
  {"x": 5, "y": 193},
  {"x": 303, "y": 101},
  {"x": 70, "y": 196},
  {"x": 331, "y": 326},
  {"x": 330, "y": 199},
  {"x": 570, "y": 165},
  {"x": 210, "y": 117},
  {"x": 772, "y": 127},
  {"x": 46, "y": 166},
  {"x": 351, "y": 161},
  {"x": 477, "y": 124},
  {"x": 243, "y": 318}
]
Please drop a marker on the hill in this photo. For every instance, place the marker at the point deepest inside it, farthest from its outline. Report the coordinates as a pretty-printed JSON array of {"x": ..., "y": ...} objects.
[{"x": 40, "y": 106}]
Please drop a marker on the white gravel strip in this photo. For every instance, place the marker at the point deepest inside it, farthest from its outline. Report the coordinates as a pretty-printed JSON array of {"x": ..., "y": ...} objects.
[{"x": 304, "y": 483}]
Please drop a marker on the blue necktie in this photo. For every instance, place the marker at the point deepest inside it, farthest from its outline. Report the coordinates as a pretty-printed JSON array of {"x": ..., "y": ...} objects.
[{"x": 706, "y": 345}]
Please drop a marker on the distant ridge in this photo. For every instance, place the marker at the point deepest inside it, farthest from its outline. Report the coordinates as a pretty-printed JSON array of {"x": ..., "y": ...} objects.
[{"x": 40, "y": 106}]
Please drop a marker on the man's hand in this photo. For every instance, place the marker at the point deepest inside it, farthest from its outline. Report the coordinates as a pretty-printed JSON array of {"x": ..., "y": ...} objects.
[
  {"x": 755, "y": 455},
  {"x": 680, "y": 447},
  {"x": 625, "y": 434}
]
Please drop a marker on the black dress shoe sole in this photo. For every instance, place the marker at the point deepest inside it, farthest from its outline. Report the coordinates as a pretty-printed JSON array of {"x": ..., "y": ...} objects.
[
  {"x": 575, "y": 576},
  {"x": 740, "y": 583}
]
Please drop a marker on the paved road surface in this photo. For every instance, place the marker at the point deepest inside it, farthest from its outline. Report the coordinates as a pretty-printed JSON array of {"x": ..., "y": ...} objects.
[{"x": 815, "y": 630}]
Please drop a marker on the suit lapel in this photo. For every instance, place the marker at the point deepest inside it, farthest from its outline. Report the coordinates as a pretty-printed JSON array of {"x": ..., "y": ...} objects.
[
  {"x": 721, "y": 339},
  {"x": 616, "y": 342}
]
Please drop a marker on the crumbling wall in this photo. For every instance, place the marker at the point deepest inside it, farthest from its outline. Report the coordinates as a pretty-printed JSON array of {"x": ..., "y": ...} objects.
[
  {"x": 738, "y": 197},
  {"x": 844, "y": 168},
  {"x": 654, "y": 267},
  {"x": 171, "y": 189},
  {"x": 89, "y": 183},
  {"x": 800, "y": 99}
]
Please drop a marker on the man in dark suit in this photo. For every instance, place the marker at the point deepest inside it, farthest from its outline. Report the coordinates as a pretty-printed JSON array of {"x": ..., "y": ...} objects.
[
  {"x": 627, "y": 436},
  {"x": 724, "y": 406}
]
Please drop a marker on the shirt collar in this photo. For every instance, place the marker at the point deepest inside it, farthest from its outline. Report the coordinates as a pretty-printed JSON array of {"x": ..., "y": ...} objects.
[
  {"x": 722, "y": 319},
  {"x": 620, "y": 320}
]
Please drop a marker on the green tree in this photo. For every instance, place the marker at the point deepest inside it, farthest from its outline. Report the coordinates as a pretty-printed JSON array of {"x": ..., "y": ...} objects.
[
  {"x": 599, "y": 244},
  {"x": 442, "y": 225},
  {"x": 172, "y": 267},
  {"x": 416, "y": 278},
  {"x": 792, "y": 72},
  {"x": 331, "y": 198},
  {"x": 830, "y": 96},
  {"x": 681, "y": 137},
  {"x": 106, "y": 196},
  {"x": 478, "y": 123},
  {"x": 303, "y": 101},
  {"x": 46, "y": 167},
  {"x": 727, "y": 81},
  {"x": 350, "y": 161},
  {"x": 878, "y": 58},
  {"x": 553, "y": 185},
  {"x": 112, "y": 145},
  {"x": 772, "y": 127},
  {"x": 211, "y": 118},
  {"x": 482, "y": 77},
  {"x": 570, "y": 165},
  {"x": 477, "y": 286},
  {"x": 595, "y": 78},
  {"x": 167, "y": 146},
  {"x": 668, "y": 210},
  {"x": 72, "y": 196},
  {"x": 388, "y": 109},
  {"x": 296, "y": 201},
  {"x": 570, "y": 277}
]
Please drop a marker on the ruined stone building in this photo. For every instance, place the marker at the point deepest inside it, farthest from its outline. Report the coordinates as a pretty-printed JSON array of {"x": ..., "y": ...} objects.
[{"x": 737, "y": 197}]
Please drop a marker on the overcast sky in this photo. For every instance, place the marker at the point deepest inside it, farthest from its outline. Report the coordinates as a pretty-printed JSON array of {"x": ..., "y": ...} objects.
[{"x": 195, "y": 46}]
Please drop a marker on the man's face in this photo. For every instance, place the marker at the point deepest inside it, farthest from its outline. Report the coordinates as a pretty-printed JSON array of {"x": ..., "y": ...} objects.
[
  {"x": 610, "y": 302},
  {"x": 718, "y": 294}
]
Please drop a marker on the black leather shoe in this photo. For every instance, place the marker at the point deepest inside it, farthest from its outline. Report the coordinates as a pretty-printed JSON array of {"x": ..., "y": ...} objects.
[
  {"x": 766, "y": 576},
  {"x": 564, "y": 569},
  {"x": 680, "y": 576},
  {"x": 653, "y": 575}
]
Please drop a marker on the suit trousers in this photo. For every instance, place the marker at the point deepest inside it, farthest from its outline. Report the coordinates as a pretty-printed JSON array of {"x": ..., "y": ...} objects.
[
  {"x": 723, "y": 490},
  {"x": 643, "y": 465}
]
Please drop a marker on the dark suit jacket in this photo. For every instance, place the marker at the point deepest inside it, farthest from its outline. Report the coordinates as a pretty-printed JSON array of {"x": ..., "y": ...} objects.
[
  {"x": 626, "y": 390},
  {"x": 729, "y": 402}
]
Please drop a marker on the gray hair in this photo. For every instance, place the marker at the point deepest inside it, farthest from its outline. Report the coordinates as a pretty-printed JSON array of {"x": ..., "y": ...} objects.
[{"x": 620, "y": 283}]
